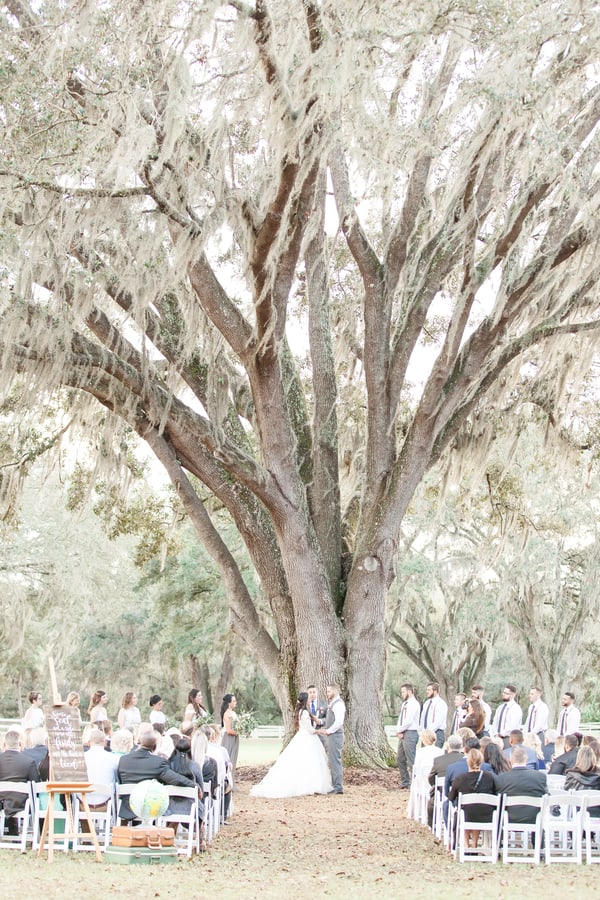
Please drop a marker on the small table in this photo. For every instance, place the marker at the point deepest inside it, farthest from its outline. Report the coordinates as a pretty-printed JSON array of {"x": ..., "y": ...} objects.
[{"x": 68, "y": 789}]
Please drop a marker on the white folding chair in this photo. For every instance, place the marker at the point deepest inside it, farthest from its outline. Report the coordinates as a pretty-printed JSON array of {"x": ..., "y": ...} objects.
[
  {"x": 590, "y": 825},
  {"x": 437, "y": 824},
  {"x": 187, "y": 819},
  {"x": 556, "y": 784},
  {"x": 212, "y": 810},
  {"x": 418, "y": 798},
  {"x": 103, "y": 819},
  {"x": 561, "y": 828},
  {"x": 521, "y": 841},
  {"x": 22, "y": 817},
  {"x": 40, "y": 809},
  {"x": 488, "y": 850}
]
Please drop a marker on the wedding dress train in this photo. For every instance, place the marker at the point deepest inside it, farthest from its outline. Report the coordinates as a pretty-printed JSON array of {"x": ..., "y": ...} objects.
[{"x": 301, "y": 768}]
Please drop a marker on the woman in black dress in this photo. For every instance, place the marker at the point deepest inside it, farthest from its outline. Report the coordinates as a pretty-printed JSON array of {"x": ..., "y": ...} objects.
[{"x": 474, "y": 781}]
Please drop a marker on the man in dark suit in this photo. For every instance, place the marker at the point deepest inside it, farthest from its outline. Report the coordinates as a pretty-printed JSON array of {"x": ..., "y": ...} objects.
[
  {"x": 15, "y": 766},
  {"x": 567, "y": 759},
  {"x": 440, "y": 766},
  {"x": 520, "y": 781},
  {"x": 141, "y": 764}
]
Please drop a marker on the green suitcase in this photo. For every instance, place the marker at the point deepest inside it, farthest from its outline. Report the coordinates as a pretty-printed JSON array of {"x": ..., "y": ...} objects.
[{"x": 140, "y": 856}]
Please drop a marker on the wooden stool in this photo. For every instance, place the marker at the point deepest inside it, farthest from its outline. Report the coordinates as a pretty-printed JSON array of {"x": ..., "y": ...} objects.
[{"x": 68, "y": 789}]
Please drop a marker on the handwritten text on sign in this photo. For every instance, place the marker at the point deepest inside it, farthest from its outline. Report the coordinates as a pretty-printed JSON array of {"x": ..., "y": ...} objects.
[{"x": 64, "y": 744}]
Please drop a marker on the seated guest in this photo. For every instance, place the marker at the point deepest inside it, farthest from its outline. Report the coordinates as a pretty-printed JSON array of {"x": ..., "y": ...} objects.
[
  {"x": 520, "y": 780},
  {"x": 590, "y": 741},
  {"x": 474, "y": 781},
  {"x": 220, "y": 754},
  {"x": 461, "y": 767},
  {"x": 15, "y": 765},
  {"x": 440, "y": 767},
  {"x": 567, "y": 759},
  {"x": 165, "y": 745},
  {"x": 37, "y": 747},
  {"x": 143, "y": 763},
  {"x": 208, "y": 766},
  {"x": 533, "y": 741},
  {"x": 181, "y": 761},
  {"x": 101, "y": 768},
  {"x": 496, "y": 758},
  {"x": 121, "y": 742},
  {"x": 106, "y": 726},
  {"x": 515, "y": 738},
  {"x": 424, "y": 758},
  {"x": 584, "y": 776},
  {"x": 549, "y": 751}
]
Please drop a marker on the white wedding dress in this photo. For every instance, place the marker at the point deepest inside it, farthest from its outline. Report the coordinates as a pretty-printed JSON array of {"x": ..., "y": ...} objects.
[{"x": 301, "y": 768}]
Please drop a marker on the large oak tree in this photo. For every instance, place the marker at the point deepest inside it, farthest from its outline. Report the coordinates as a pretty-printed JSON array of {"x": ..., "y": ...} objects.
[{"x": 236, "y": 226}]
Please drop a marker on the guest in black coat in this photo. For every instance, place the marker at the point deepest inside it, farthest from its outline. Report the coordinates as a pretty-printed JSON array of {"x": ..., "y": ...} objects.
[
  {"x": 568, "y": 759},
  {"x": 522, "y": 781},
  {"x": 141, "y": 764},
  {"x": 15, "y": 766},
  {"x": 584, "y": 776}
]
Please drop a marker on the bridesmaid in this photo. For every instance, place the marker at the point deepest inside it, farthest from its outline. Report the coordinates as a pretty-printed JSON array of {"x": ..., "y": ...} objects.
[{"x": 230, "y": 739}]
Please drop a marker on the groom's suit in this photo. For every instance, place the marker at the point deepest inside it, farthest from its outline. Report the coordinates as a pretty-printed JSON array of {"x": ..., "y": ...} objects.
[{"x": 334, "y": 729}]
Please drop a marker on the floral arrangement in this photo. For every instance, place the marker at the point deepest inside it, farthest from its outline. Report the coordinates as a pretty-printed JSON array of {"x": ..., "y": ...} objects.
[
  {"x": 204, "y": 718},
  {"x": 245, "y": 723}
]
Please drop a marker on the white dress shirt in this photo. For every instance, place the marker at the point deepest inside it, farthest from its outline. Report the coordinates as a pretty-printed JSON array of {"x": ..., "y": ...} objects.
[
  {"x": 457, "y": 719},
  {"x": 508, "y": 717},
  {"x": 434, "y": 714},
  {"x": 537, "y": 717},
  {"x": 101, "y": 769},
  {"x": 569, "y": 720},
  {"x": 338, "y": 708},
  {"x": 410, "y": 712}
]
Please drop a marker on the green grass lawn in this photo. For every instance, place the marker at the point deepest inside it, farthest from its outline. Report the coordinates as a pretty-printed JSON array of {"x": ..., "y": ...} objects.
[{"x": 258, "y": 751}]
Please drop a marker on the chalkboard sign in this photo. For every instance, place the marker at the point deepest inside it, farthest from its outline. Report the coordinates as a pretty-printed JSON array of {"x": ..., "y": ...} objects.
[{"x": 67, "y": 761}]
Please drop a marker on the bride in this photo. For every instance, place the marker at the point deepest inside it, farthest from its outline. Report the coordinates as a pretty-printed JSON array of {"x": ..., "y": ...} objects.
[{"x": 302, "y": 767}]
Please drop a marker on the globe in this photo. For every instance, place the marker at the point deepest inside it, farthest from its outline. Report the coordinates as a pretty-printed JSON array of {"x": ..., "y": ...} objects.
[{"x": 149, "y": 799}]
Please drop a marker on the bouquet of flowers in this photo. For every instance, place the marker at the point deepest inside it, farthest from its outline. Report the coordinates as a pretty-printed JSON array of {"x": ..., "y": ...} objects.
[
  {"x": 245, "y": 723},
  {"x": 204, "y": 718}
]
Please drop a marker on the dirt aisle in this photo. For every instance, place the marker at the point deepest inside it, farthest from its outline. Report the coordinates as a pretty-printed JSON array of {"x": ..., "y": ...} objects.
[{"x": 361, "y": 845}]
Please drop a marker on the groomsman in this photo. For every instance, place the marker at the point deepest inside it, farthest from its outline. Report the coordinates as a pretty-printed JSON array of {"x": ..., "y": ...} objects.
[
  {"x": 536, "y": 720},
  {"x": 569, "y": 719},
  {"x": 509, "y": 715},
  {"x": 460, "y": 711},
  {"x": 408, "y": 733},
  {"x": 434, "y": 713}
]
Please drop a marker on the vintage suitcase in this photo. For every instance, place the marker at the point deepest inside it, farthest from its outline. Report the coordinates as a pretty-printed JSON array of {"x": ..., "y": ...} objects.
[
  {"x": 140, "y": 856},
  {"x": 142, "y": 836}
]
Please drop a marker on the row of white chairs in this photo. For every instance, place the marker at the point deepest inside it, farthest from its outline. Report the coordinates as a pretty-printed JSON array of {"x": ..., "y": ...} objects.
[
  {"x": 30, "y": 820},
  {"x": 563, "y": 828}
]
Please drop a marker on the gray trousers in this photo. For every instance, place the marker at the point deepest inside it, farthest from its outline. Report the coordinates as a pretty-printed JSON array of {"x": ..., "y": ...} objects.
[
  {"x": 407, "y": 747},
  {"x": 335, "y": 742}
]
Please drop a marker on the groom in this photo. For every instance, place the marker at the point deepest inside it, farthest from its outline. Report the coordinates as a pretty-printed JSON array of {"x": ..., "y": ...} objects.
[{"x": 334, "y": 730}]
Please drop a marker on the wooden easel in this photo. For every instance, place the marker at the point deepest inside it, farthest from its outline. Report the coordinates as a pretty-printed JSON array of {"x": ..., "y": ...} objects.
[{"x": 66, "y": 789}]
